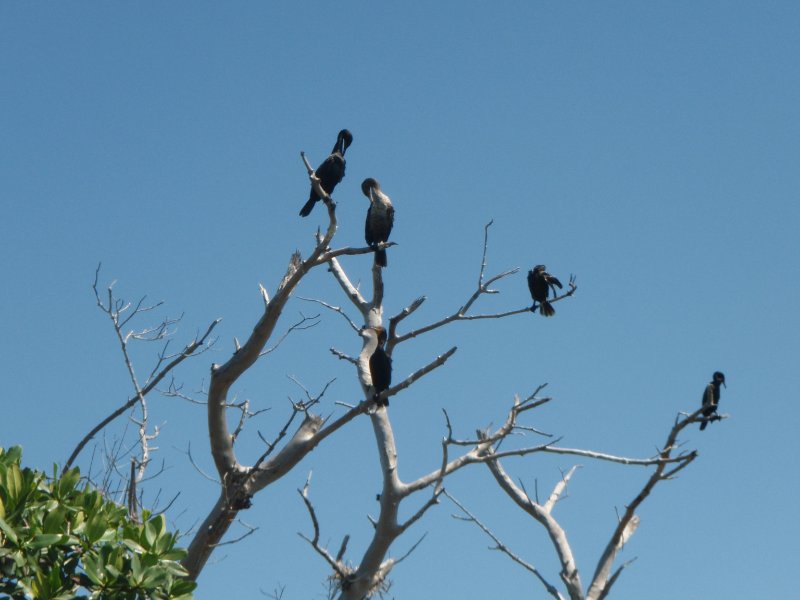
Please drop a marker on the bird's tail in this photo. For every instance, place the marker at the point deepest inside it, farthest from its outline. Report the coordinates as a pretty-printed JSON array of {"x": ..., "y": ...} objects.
[
  {"x": 546, "y": 309},
  {"x": 380, "y": 258},
  {"x": 308, "y": 207},
  {"x": 379, "y": 402},
  {"x": 703, "y": 425}
]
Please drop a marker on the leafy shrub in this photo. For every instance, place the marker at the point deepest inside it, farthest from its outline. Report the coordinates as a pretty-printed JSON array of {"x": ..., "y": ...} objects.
[{"x": 60, "y": 540}]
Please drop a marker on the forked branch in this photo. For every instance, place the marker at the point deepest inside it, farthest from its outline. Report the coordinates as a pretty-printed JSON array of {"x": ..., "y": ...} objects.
[{"x": 115, "y": 309}]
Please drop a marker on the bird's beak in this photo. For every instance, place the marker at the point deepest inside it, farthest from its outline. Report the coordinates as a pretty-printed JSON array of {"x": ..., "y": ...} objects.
[{"x": 725, "y": 386}]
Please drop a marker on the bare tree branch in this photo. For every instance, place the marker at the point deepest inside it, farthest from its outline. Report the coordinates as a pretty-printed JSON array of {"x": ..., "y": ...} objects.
[
  {"x": 188, "y": 350},
  {"x": 569, "y": 570},
  {"x": 336, "y": 309},
  {"x": 349, "y": 289},
  {"x": 558, "y": 490},
  {"x": 299, "y": 326},
  {"x": 393, "y": 322},
  {"x": 343, "y": 356},
  {"x": 461, "y": 313},
  {"x": 499, "y": 545},
  {"x": 613, "y": 579},
  {"x": 629, "y": 521},
  {"x": 323, "y": 552},
  {"x": 643, "y": 462},
  {"x": 434, "y": 364},
  {"x": 349, "y": 251},
  {"x": 240, "y": 482}
]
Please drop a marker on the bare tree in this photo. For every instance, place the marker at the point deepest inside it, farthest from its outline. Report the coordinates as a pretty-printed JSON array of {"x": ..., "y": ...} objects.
[{"x": 303, "y": 429}]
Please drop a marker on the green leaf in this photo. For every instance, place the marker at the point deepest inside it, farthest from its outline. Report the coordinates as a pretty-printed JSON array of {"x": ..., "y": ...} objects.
[
  {"x": 182, "y": 588},
  {"x": 154, "y": 578},
  {"x": 55, "y": 521},
  {"x": 93, "y": 567},
  {"x": 174, "y": 554},
  {"x": 175, "y": 568},
  {"x": 12, "y": 483},
  {"x": 153, "y": 529},
  {"x": 69, "y": 480},
  {"x": 113, "y": 571},
  {"x": 136, "y": 567},
  {"x": 163, "y": 544},
  {"x": 9, "y": 531},
  {"x": 47, "y": 539},
  {"x": 134, "y": 546},
  {"x": 95, "y": 528},
  {"x": 11, "y": 456}
]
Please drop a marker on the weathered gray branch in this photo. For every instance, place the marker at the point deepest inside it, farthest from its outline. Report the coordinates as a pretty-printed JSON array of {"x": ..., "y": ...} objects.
[
  {"x": 335, "y": 563},
  {"x": 240, "y": 483},
  {"x": 113, "y": 308},
  {"x": 629, "y": 521},
  {"x": 569, "y": 570},
  {"x": 349, "y": 289}
]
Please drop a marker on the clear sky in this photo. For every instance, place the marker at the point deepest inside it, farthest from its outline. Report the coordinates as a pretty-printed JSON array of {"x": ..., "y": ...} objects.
[{"x": 650, "y": 148}]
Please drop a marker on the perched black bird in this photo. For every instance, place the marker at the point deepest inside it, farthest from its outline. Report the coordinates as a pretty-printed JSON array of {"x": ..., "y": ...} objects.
[
  {"x": 711, "y": 397},
  {"x": 380, "y": 365},
  {"x": 540, "y": 282},
  {"x": 331, "y": 171},
  {"x": 380, "y": 218}
]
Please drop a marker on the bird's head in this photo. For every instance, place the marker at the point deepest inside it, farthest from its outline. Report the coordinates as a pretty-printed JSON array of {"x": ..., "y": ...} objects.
[
  {"x": 539, "y": 269},
  {"x": 719, "y": 377},
  {"x": 377, "y": 333},
  {"x": 368, "y": 185},
  {"x": 344, "y": 140}
]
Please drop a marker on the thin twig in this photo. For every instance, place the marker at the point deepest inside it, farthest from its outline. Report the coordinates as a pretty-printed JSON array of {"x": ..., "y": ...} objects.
[{"x": 500, "y": 546}]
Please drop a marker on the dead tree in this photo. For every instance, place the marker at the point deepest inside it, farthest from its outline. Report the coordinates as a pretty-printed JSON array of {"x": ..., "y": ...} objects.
[{"x": 303, "y": 429}]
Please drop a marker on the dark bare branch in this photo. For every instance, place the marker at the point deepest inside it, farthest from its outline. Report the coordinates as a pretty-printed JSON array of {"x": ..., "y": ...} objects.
[{"x": 336, "y": 309}]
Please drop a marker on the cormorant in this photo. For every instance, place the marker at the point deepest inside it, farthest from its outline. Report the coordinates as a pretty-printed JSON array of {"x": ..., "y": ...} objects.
[
  {"x": 380, "y": 365},
  {"x": 540, "y": 282},
  {"x": 331, "y": 171},
  {"x": 711, "y": 398},
  {"x": 380, "y": 218}
]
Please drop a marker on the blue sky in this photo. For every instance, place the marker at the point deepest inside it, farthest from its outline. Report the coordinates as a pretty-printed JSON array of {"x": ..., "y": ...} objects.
[{"x": 649, "y": 148}]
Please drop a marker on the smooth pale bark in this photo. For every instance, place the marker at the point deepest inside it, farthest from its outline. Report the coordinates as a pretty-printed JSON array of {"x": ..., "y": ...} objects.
[{"x": 239, "y": 483}]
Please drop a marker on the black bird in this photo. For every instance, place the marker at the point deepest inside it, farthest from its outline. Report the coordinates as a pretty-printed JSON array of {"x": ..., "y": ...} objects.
[
  {"x": 540, "y": 282},
  {"x": 711, "y": 398},
  {"x": 380, "y": 364},
  {"x": 331, "y": 171},
  {"x": 380, "y": 218}
]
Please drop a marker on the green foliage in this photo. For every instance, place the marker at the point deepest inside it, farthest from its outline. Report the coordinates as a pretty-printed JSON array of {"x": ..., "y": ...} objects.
[{"x": 59, "y": 541}]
